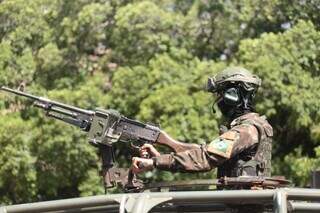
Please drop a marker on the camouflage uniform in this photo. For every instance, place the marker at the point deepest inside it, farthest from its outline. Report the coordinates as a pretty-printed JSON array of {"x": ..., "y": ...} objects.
[{"x": 244, "y": 149}]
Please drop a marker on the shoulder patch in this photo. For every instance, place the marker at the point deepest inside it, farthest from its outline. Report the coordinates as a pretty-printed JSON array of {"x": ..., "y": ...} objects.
[{"x": 221, "y": 146}]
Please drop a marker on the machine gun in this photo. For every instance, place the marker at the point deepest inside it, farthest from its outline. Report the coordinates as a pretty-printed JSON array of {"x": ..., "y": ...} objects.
[{"x": 104, "y": 128}]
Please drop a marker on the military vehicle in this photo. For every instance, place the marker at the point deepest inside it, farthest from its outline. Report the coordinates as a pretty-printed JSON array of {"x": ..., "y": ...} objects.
[{"x": 280, "y": 200}]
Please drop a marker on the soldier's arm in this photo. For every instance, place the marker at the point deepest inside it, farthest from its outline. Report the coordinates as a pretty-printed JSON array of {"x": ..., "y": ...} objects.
[{"x": 206, "y": 157}]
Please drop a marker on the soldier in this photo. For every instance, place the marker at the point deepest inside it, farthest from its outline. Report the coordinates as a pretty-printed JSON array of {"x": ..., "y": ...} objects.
[{"x": 243, "y": 148}]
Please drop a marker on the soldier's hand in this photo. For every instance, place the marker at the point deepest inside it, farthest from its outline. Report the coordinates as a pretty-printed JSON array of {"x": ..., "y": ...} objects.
[
  {"x": 141, "y": 165},
  {"x": 148, "y": 150}
]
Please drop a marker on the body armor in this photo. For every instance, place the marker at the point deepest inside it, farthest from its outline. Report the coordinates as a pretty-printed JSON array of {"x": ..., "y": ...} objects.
[{"x": 255, "y": 161}]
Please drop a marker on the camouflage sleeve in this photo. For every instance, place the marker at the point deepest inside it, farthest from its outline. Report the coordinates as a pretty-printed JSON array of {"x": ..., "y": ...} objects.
[
  {"x": 234, "y": 141},
  {"x": 213, "y": 154}
]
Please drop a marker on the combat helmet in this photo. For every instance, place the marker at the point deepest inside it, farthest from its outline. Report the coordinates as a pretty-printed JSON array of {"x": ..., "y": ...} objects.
[{"x": 233, "y": 75}]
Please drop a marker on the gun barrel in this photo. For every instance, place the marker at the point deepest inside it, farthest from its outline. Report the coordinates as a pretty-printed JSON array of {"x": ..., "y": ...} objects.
[
  {"x": 45, "y": 100},
  {"x": 17, "y": 92}
]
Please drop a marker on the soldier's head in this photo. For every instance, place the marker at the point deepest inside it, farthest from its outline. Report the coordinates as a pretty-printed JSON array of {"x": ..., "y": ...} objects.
[{"x": 235, "y": 88}]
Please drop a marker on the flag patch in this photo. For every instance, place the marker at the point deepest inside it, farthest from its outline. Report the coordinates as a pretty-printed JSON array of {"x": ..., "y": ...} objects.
[{"x": 221, "y": 147}]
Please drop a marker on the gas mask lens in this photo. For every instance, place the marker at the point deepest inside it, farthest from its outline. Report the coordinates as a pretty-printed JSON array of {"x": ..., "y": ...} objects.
[{"x": 231, "y": 97}]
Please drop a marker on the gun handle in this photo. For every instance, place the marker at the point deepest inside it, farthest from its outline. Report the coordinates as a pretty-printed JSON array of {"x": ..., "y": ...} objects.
[{"x": 176, "y": 146}]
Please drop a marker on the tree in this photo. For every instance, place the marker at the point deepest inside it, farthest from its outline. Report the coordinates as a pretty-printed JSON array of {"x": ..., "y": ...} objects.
[{"x": 17, "y": 172}]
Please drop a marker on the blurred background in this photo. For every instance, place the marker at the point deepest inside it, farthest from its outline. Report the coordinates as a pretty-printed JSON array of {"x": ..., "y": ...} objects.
[{"x": 149, "y": 60}]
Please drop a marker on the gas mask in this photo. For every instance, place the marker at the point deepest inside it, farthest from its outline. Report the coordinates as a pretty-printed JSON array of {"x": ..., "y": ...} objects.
[{"x": 229, "y": 102}]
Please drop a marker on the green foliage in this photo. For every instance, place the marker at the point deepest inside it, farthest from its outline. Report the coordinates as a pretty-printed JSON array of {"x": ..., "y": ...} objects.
[
  {"x": 149, "y": 60},
  {"x": 143, "y": 30},
  {"x": 298, "y": 166},
  {"x": 17, "y": 172},
  {"x": 289, "y": 65}
]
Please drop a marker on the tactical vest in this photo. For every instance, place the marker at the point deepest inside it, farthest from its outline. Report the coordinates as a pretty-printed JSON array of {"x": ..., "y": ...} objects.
[{"x": 255, "y": 161}]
